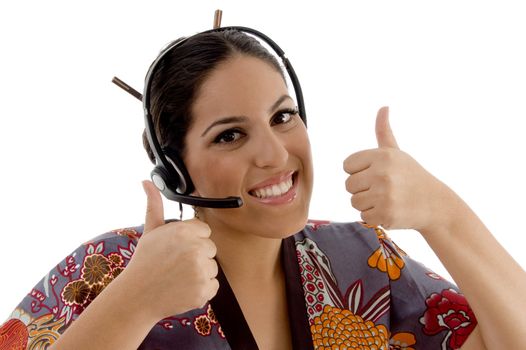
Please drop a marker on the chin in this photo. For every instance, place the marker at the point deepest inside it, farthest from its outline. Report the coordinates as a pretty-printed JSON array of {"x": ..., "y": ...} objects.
[{"x": 283, "y": 227}]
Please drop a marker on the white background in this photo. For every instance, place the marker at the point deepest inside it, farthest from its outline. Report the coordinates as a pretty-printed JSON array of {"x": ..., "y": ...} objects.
[{"x": 453, "y": 74}]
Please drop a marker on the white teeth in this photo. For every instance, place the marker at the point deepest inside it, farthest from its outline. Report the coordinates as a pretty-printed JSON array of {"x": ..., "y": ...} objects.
[{"x": 274, "y": 190}]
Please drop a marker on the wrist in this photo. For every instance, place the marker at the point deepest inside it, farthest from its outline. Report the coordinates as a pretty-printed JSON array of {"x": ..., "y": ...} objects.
[
  {"x": 445, "y": 209},
  {"x": 137, "y": 301}
]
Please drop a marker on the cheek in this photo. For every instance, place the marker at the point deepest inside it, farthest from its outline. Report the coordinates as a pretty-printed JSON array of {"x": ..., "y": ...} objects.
[
  {"x": 301, "y": 148},
  {"x": 217, "y": 176}
]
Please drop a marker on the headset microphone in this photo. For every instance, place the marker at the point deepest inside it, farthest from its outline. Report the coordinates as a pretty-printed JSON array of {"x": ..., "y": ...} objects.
[
  {"x": 229, "y": 202},
  {"x": 170, "y": 175}
]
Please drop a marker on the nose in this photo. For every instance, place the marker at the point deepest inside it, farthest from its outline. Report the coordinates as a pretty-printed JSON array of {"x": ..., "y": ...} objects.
[{"x": 271, "y": 150}]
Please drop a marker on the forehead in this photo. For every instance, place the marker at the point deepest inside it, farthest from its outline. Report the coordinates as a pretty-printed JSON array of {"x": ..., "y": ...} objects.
[{"x": 240, "y": 85}]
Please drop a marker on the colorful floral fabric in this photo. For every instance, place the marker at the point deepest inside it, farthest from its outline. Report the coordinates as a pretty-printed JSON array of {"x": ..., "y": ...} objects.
[{"x": 360, "y": 291}]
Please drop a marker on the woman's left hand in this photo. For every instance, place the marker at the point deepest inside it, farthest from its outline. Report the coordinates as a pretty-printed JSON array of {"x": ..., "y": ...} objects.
[{"x": 391, "y": 189}]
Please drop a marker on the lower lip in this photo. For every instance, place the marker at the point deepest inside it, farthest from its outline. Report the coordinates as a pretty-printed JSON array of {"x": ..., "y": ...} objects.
[{"x": 283, "y": 199}]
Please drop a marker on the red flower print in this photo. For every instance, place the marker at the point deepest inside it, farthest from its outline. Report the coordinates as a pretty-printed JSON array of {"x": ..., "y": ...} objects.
[
  {"x": 13, "y": 335},
  {"x": 449, "y": 311},
  {"x": 316, "y": 224},
  {"x": 128, "y": 232}
]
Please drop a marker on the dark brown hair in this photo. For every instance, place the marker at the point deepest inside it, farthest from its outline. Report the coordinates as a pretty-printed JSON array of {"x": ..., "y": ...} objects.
[{"x": 180, "y": 74}]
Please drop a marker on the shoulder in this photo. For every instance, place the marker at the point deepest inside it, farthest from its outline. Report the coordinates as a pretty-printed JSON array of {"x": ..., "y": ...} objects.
[
  {"x": 122, "y": 241},
  {"x": 70, "y": 286},
  {"x": 357, "y": 268},
  {"x": 341, "y": 235}
]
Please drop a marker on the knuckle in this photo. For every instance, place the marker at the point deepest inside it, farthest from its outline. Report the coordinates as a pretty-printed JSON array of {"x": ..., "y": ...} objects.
[
  {"x": 389, "y": 201},
  {"x": 213, "y": 288},
  {"x": 385, "y": 178},
  {"x": 201, "y": 296},
  {"x": 369, "y": 219},
  {"x": 387, "y": 220},
  {"x": 215, "y": 270},
  {"x": 354, "y": 201},
  {"x": 190, "y": 257},
  {"x": 348, "y": 184},
  {"x": 212, "y": 246},
  {"x": 365, "y": 217},
  {"x": 347, "y": 164},
  {"x": 386, "y": 154}
]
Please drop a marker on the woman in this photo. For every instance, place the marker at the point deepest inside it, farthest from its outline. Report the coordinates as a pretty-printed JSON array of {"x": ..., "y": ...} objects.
[{"x": 273, "y": 281}]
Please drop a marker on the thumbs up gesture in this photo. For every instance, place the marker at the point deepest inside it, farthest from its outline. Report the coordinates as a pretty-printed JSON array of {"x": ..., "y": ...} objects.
[
  {"x": 173, "y": 266},
  {"x": 390, "y": 188}
]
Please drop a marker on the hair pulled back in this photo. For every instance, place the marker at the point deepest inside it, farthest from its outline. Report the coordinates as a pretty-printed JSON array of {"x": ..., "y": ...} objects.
[{"x": 180, "y": 74}]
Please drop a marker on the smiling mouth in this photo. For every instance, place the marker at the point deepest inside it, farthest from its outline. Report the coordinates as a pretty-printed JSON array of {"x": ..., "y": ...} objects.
[{"x": 275, "y": 190}]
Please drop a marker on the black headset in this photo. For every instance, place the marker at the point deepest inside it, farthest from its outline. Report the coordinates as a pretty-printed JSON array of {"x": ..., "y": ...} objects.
[{"x": 170, "y": 175}]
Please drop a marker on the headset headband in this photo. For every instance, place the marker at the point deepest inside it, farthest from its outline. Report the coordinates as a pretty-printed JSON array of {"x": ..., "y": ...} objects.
[{"x": 170, "y": 174}]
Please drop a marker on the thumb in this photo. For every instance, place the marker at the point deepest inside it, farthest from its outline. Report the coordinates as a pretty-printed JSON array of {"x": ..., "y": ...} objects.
[
  {"x": 154, "y": 207},
  {"x": 384, "y": 134}
]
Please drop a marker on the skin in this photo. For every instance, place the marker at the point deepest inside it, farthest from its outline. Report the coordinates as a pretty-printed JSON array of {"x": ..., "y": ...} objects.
[
  {"x": 261, "y": 151},
  {"x": 269, "y": 143},
  {"x": 386, "y": 185},
  {"x": 246, "y": 240},
  {"x": 391, "y": 189}
]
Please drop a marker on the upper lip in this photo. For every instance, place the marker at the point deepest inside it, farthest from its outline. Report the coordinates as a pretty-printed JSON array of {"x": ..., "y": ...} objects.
[{"x": 274, "y": 180}]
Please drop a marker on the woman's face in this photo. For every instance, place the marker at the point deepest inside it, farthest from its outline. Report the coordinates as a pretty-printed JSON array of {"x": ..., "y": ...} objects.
[{"x": 246, "y": 141}]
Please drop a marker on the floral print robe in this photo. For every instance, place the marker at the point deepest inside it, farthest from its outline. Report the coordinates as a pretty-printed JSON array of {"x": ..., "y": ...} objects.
[{"x": 348, "y": 287}]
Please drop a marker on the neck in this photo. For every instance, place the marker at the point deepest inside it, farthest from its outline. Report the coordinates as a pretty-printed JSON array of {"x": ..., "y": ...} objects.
[{"x": 248, "y": 259}]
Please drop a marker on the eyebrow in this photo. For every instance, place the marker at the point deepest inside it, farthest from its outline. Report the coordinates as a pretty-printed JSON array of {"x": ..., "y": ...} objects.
[{"x": 240, "y": 119}]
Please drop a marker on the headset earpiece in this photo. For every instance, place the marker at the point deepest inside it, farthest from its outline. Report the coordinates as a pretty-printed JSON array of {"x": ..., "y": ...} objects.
[
  {"x": 160, "y": 177},
  {"x": 180, "y": 180},
  {"x": 170, "y": 175}
]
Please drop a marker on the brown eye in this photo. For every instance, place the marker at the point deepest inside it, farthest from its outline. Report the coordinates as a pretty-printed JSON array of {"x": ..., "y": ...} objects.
[
  {"x": 284, "y": 116},
  {"x": 229, "y": 136}
]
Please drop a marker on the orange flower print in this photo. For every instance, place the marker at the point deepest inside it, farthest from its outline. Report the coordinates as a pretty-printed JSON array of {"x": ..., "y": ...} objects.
[
  {"x": 115, "y": 259},
  {"x": 107, "y": 280},
  {"x": 402, "y": 341},
  {"x": 202, "y": 325},
  {"x": 75, "y": 292},
  {"x": 95, "y": 268},
  {"x": 335, "y": 328},
  {"x": 116, "y": 271},
  {"x": 211, "y": 315},
  {"x": 220, "y": 332},
  {"x": 95, "y": 290},
  {"x": 389, "y": 257}
]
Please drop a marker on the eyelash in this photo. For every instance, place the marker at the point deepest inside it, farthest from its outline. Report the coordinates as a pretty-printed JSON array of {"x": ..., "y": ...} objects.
[{"x": 290, "y": 111}]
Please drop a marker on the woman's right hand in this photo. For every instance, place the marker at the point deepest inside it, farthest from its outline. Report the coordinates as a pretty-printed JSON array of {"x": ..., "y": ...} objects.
[{"x": 173, "y": 268}]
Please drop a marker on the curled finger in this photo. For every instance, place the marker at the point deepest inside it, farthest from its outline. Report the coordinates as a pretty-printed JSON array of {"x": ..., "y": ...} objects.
[{"x": 362, "y": 201}]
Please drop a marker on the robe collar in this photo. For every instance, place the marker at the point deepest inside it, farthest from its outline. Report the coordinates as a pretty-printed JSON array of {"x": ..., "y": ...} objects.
[{"x": 233, "y": 322}]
